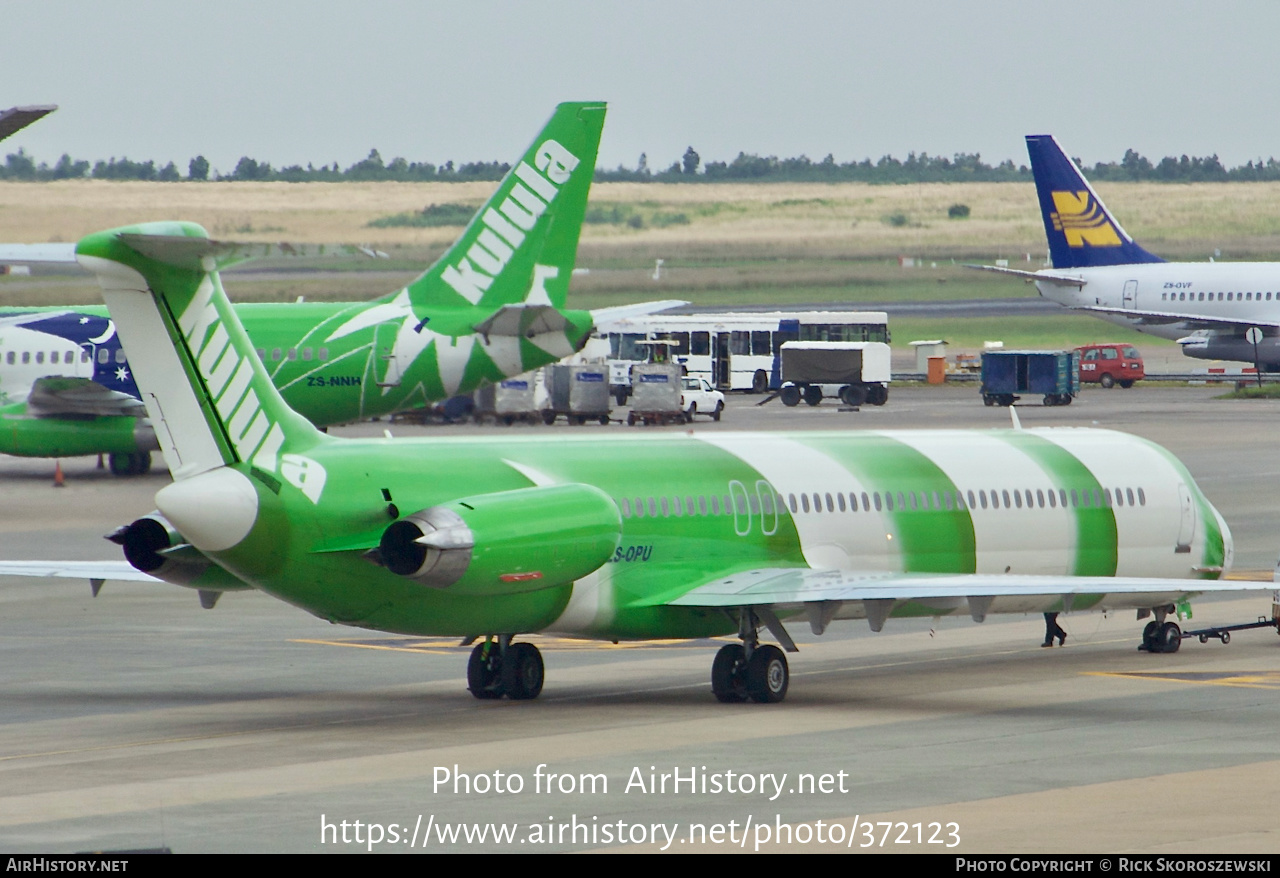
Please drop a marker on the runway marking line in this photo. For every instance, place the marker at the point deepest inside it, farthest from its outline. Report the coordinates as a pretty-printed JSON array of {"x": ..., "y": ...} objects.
[{"x": 1238, "y": 679}]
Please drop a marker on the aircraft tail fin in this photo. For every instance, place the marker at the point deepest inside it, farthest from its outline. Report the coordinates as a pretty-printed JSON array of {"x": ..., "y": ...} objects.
[
  {"x": 209, "y": 397},
  {"x": 1082, "y": 233},
  {"x": 522, "y": 244}
]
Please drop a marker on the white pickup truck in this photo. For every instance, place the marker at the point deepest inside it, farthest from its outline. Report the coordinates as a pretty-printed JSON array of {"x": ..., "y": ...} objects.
[{"x": 698, "y": 397}]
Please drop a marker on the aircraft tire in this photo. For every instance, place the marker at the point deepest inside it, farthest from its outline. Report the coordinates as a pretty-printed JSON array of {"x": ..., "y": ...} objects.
[
  {"x": 767, "y": 675},
  {"x": 522, "y": 672},
  {"x": 727, "y": 682},
  {"x": 1170, "y": 637},
  {"x": 484, "y": 672},
  {"x": 1150, "y": 634},
  {"x": 130, "y": 464}
]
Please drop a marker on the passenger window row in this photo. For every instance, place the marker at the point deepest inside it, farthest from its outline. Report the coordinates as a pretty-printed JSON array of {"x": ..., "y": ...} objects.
[
  {"x": 11, "y": 357},
  {"x": 888, "y": 501},
  {"x": 1230, "y": 297},
  {"x": 1002, "y": 498},
  {"x": 666, "y": 507},
  {"x": 304, "y": 354}
]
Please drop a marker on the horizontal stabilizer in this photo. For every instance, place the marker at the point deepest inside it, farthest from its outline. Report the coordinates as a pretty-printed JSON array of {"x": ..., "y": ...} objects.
[
  {"x": 15, "y": 119},
  {"x": 203, "y": 254},
  {"x": 603, "y": 316},
  {"x": 1061, "y": 280},
  {"x": 522, "y": 321},
  {"x": 37, "y": 254},
  {"x": 58, "y": 397}
]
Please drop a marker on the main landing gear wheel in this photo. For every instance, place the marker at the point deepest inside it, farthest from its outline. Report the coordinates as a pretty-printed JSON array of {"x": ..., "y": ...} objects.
[
  {"x": 484, "y": 671},
  {"x": 1162, "y": 637},
  {"x": 728, "y": 681},
  {"x": 522, "y": 672},
  {"x": 767, "y": 675},
  {"x": 136, "y": 463},
  {"x": 516, "y": 672}
]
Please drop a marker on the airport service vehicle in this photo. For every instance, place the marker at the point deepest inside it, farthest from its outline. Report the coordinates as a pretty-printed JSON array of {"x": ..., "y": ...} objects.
[
  {"x": 579, "y": 393},
  {"x": 491, "y": 307},
  {"x": 733, "y": 351},
  {"x": 1110, "y": 364},
  {"x": 637, "y": 537},
  {"x": 698, "y": 397},
  {"x": 1207, "y": 307},
  {"x": 854, "y": 372},
  {"x": 1006, "y": 374}
]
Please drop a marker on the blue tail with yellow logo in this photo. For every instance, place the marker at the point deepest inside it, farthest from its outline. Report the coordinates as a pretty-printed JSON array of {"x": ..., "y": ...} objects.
[{"x": 1081, "y": 232}]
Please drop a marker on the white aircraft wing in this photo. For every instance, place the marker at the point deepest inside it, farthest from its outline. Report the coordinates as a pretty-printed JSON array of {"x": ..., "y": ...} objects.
[
  {"x": 601, "y": 316},
  {"x": 94, "y": 571},
  {"x": 1197, "y": 320},
  {"x": 828, "y": 594}
]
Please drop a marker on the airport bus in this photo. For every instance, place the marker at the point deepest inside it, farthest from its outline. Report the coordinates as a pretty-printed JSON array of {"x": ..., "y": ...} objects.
[{"x": 734, "y": 351}]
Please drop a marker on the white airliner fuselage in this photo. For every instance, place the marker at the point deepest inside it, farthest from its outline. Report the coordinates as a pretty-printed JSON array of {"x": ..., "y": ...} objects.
[{"x": 1205, "y": 306}]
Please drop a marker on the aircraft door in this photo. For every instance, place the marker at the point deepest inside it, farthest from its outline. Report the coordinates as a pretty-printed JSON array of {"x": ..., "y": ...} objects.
[
  {"x": 1187, "y": 527},
  {"x": 1130, "y": 294},
  {"x": 386, "y": 365}
]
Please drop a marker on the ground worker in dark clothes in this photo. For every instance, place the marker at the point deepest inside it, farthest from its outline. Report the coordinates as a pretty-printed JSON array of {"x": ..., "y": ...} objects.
[{"x": 1052, "y": 629}]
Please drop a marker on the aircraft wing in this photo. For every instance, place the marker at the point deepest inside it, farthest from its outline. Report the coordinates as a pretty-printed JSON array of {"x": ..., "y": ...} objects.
[
  {"x": 1198, "y": 321},
  {"x": 58, "y": 397},
  {"x": 94, "y": 571},
  {"x": 1051, "y": 277},
  {"x": 827, "y": 594},
  {"x": 602, "y": 316}
]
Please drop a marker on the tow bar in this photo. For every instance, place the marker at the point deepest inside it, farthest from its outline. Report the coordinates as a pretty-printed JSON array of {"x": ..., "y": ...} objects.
[{"x": 1223, "y": 632}]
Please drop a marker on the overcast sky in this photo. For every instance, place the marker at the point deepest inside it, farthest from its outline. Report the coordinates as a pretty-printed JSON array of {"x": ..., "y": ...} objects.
[{"x": 298, "y": 82}]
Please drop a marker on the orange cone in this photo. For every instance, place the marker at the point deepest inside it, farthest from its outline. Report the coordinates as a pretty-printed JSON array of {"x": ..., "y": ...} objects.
[{"x": 58, "y": 480}]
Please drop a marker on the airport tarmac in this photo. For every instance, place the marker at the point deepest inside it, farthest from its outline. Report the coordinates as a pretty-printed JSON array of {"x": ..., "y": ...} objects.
[{"x": 138, "y": 720}]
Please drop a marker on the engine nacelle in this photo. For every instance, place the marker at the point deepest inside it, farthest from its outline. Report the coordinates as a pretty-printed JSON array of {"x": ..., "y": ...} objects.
[
  {"x": 152, "y": 545},
  {"x": 1217, "y": 346},
  {"x": 507, "y": 542}
]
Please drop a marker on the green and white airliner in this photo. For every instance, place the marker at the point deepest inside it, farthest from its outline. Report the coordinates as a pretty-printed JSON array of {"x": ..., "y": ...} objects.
[
  {"x": 491, "y": 307},
  {"x": 669, "y": 536}
]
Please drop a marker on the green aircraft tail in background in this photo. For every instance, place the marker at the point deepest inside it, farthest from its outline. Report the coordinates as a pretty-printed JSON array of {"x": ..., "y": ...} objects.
[{"x": 490, "y": 308}]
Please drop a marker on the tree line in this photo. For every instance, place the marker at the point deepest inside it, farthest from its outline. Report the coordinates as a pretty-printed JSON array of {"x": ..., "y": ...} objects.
[{"x": 915, "y": 168}]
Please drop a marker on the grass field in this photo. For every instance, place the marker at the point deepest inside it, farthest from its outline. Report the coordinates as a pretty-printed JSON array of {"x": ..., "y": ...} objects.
[{"x": 735, "y": 244}]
